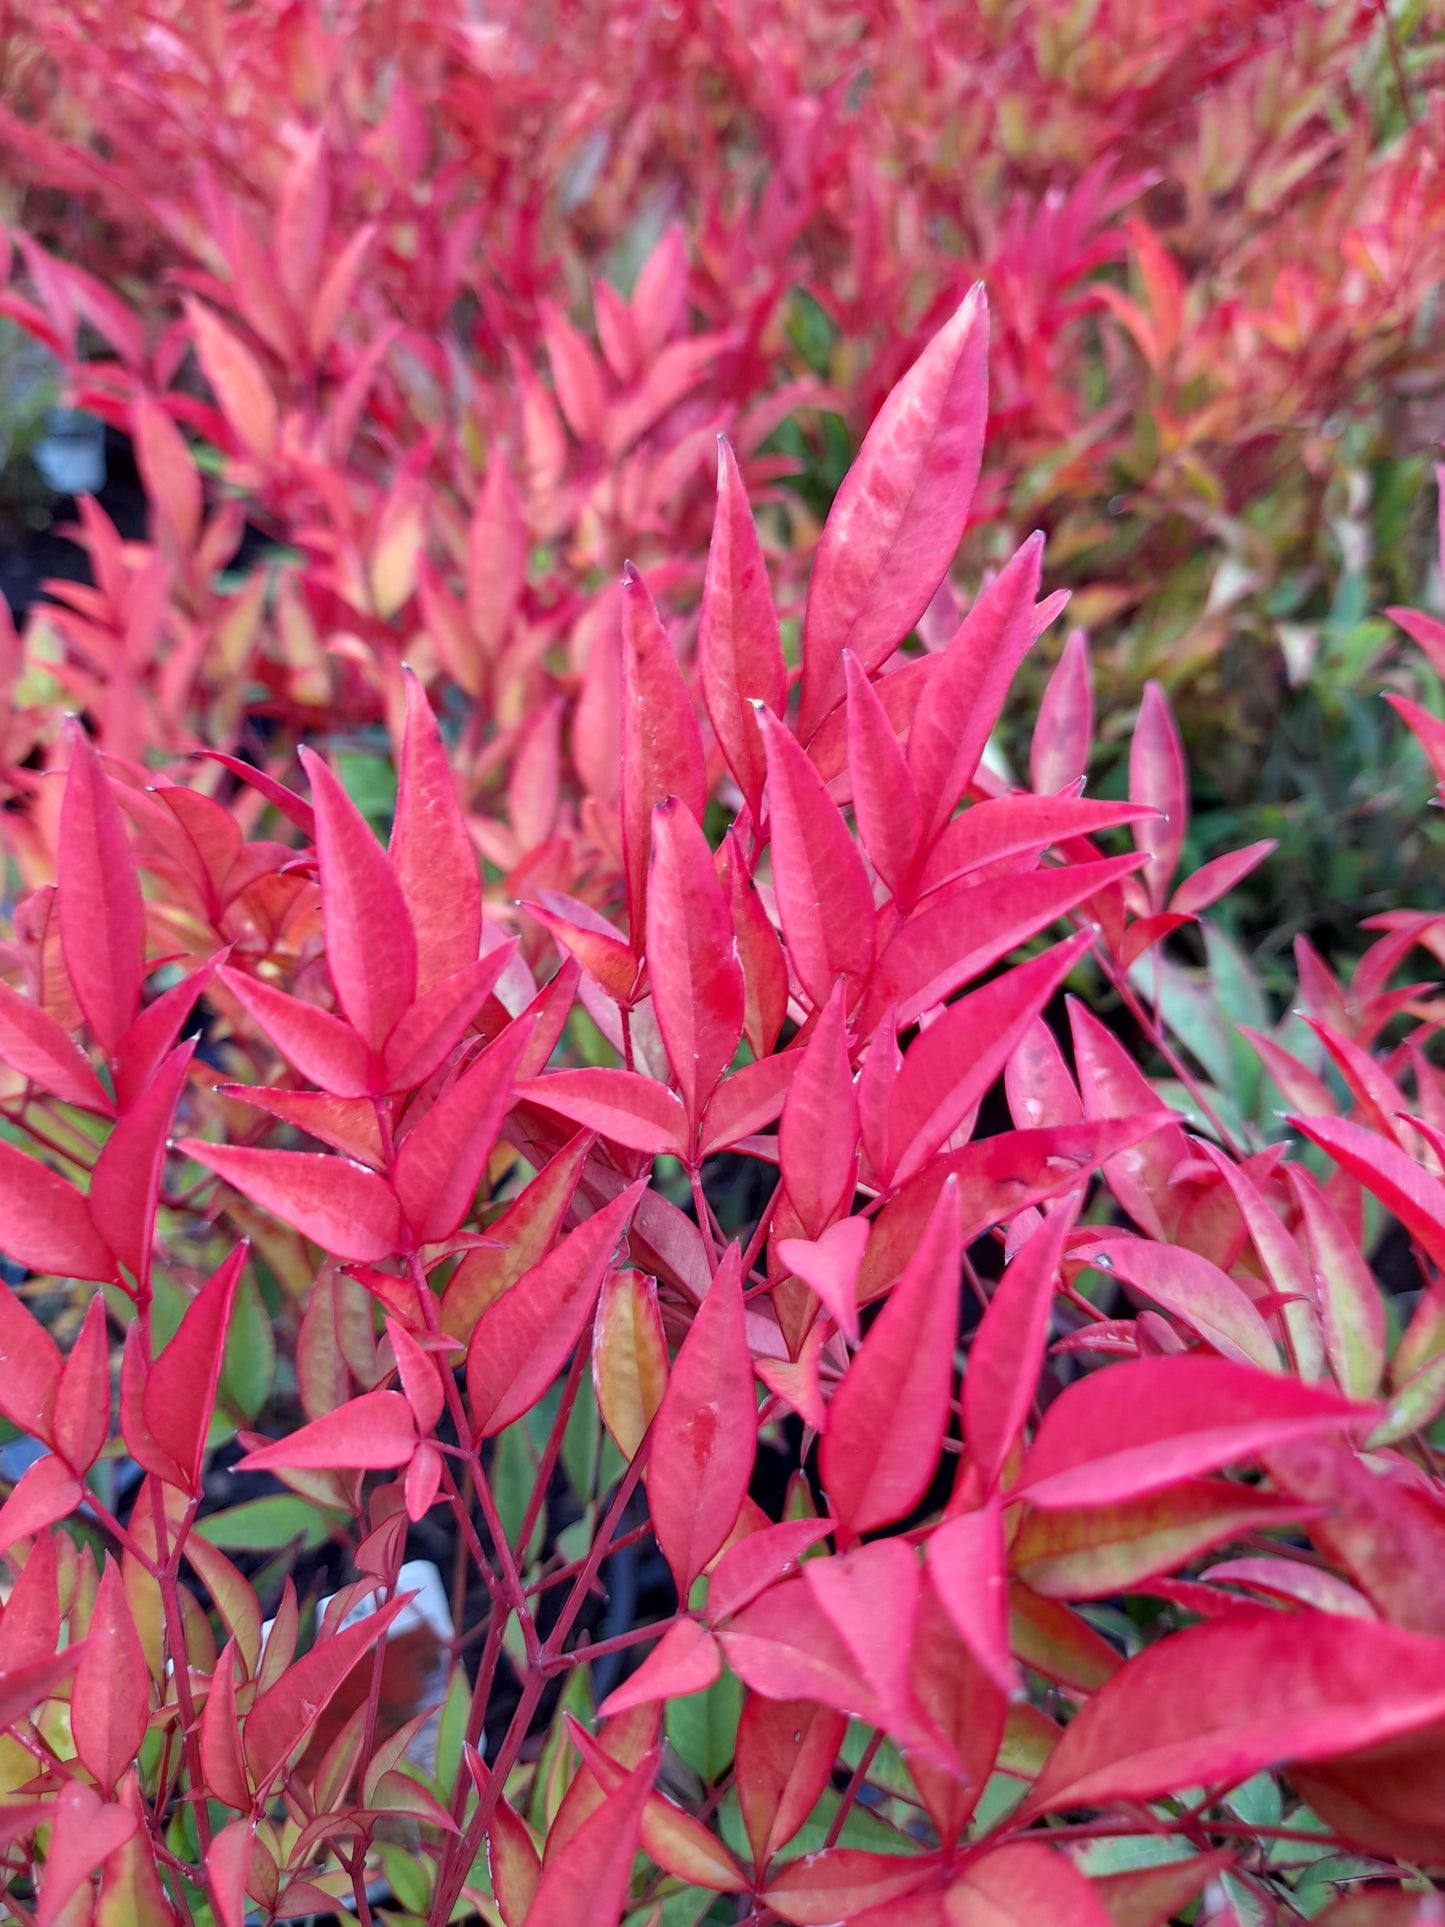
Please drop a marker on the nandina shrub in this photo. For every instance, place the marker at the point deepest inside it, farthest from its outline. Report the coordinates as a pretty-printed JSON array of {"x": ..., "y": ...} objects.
[{"x": 1105, "y": 1585}]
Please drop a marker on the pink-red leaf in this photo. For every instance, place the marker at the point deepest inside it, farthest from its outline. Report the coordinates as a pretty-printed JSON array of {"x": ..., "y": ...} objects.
[
  {"x": 685, "y": 1660},
  {"x": 180, "y": 1393},
  {"x": 1140, "y": 1427},
  {"x": 900, "y": 513},
  {"x": 126, "y": 1182},
  {"x": 705, "y": 1432},
  {"x": 1402, "y": 1186},
  {"x": 345, "y": 1209},
  {"x": 1215, "y": 1704},
  {"x": 1158, "y": 777},
  {"x": 370, "y": 944},
  {"x": 692, "y": 957},
  {"x": 110, "y": 1704},
  {"x": 623, "y": 1106},
  {"x": 102, "y": 925},
  {"x": 33, "y": 1043},
  {"x": 818, "y": 1136},
  {"x": 45, "y": 1223},
  {"x": 521, "y": 1341},
  {"x": 662, "y": 751},
  {"x": 739, "y": 649},
  {"x": 825, "y": 902},
  {"x": 442, "y": 1157},
  {"x": 887, "y": 1421},
  {"x": 435, "y": 864},
  {"x": 1008, "y": 1348},
  {"x": 374, "y": 1433}
]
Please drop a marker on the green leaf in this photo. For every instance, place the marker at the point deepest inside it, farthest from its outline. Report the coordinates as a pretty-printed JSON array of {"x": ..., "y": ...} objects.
[
  {"x": 452, "y": 1728},
  {"x": 703, "y": 1727},
  {"x": 266, "y": 1525},
  {"x": 250, "y": 1362}
]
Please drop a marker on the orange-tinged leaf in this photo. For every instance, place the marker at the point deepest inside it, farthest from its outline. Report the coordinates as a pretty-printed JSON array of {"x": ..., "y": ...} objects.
[
  {"x": 285, "y": 1713},
  {"x": 629, "y": 1356},
  {"x": 435, "y": 863},
  {"x": 512, "y": 1861},
  {"x": 236, "y": 380},
  {"x": 1352, "y": 1310},
  {"x": 86, "y": 1832},
  {"x": 704, "y": 1435},
  {"x": 1092, "y": 1552},
  {"x": 1152, "y": 1896},
  {"x": 1204, "y": 1299},
  {"x": 521, "y": 1235}
]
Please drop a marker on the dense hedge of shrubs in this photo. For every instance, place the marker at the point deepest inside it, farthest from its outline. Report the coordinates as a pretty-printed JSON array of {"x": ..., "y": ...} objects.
[{"x": 664, "y": 1264}]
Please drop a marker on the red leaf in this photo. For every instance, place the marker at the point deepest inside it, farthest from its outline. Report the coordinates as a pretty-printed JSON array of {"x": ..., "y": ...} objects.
[
  {"x": 692, "y": 957},
  {"x": 30, "y": 1628},
  {"x": 153, "y": 1034},
  {"x": 45, "y": 1492},
  {"x": 1158, "y": 777},
  {"x": 704, "y": 1435},
  {"x": 885, "y": 801},
  {"x": 623, "y": 1106},
  {"x": 325, "y": 1049},
  {"x": 897, "y": 519},
  {"x": 1023, "y": 1885},
  {"x": 45, "y": 1223},
  {"x": 685, "y": 1660},
  {"x": 24, "y": 1687},
  {"x": 81, "y": 1422},
  {"x": 512, "y": 1859},
  {"x": 496, "y": 558},
  {"x": 751, "y": 1565},
  {"x": 348, "y": 1211},
  {"x": 825, "y": 901},
  {"x": 818, "y": 1137},
  {"x": 743, "y": 1103},
  {"x": 952, "y": 1064},
  {"x": 180, "y": 1393},
  {"x": 1280, "y": 1687},
  {"x": 661, "y": 745},
  {"x": 125, "y": 1185},
  {"x": 785, "y": 1755},
  {"x": 374, "y": 1433},
  {"x": 102, "y": 925},
  {"x": 370, "y": 944},
  {"x": 439, "y": 1019},
  {"x": 587, "y": 1881},
  {"x": 442, "y": 1158},
  {"x": 829, "y": 1267},
  {"x": 221, "y": 1757},
  {"x": 294, "y": 808},
  {"x": 347, "y": 1124},
  {"x": 110, "y": 1704},
  {"x": 30, "y": 1361},
  {"x": 870, "y": 1598},
  {"x": 521, "y": 1341},
  {"x": 172, "y": 483},
  {"x": 960, "y": 932},
  {"x": 235, "y": 378},
  {"x": 1213, "y": 880},
  {"x": 837, "y": 1883},
  {"x": 1008, "y": 1348},
  {"x": 1205, "y": 1300},
  {"x": 739, "y": 648},
  {"x": 85, "y": 1835},
  {"x": 33, "y": 1043},
  {"x": 1140, "y": 1427},
  {"x": 1152, "y": 1896},
  {"x": 1064, "y": 727},
  {"x": 1402, "y": 1186},
  {"x": 888, "y": 1417},
  {"x": 432, "y": 852},
  {"x": 285, "y": 1713},
  {"x": 784, "y": 1646},
  {"x": 969, "y": 1569},
  {"x": 1012, "y": 826},
  {"x": 575, "y": 372},
  {"x": 525, "y": 1231},
  {"x": 969, "y": 683},
  {"x": 765, "y": 974}
]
